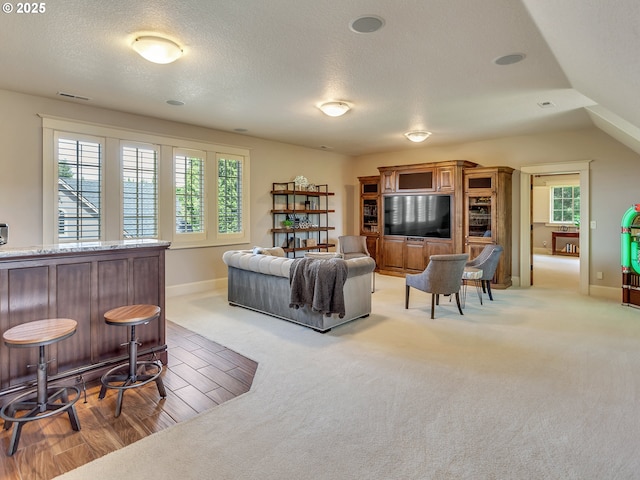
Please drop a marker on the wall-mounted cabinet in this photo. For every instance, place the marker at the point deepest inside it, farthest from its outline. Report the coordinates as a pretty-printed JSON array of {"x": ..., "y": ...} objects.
[
  {"x": 370, "y": 212},
  {"x": 487, "y": 220},
  {"x": 301, "y": 218}
]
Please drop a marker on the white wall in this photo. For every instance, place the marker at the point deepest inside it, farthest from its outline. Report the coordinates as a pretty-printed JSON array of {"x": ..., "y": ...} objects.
[
  {"x": 615, "y": 170},
  {"x": 21, "y": 179}
]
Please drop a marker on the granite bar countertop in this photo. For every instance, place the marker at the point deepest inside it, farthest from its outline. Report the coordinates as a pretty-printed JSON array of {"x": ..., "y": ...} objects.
[{"x": 78, "y": 247}]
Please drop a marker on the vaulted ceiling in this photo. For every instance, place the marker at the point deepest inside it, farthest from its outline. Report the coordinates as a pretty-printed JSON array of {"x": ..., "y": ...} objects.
[{"x": 262, "y": 67}]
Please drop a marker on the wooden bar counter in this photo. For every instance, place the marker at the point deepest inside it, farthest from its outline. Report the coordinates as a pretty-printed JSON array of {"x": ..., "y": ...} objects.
[{"x": 80, "y": 281}]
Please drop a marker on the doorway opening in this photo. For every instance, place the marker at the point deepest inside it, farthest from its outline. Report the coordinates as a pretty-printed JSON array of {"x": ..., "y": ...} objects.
[
  {"x": 526, "y": 249},
  {"x": 555, "y": 235}
]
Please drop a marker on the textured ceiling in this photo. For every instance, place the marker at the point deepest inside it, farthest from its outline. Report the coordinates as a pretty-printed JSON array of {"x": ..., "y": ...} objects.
[{"x": 264, "y": 66}]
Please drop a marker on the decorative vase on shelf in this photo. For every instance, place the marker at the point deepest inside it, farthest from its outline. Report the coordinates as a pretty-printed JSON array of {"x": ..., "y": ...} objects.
[{"x": 301, "y": 182}]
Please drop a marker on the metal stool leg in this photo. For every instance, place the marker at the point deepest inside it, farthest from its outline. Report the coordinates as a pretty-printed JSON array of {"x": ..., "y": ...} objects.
[{"x": 126, "y": 376}]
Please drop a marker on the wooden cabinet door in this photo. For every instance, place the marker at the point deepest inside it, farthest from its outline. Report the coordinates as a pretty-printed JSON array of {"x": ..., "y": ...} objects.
[
  {"x": 445, "y": 179},
  {"x": 393, "y": 255},
  {"x": 415, "y": 258},
  {"x": 388, "y": 182}
]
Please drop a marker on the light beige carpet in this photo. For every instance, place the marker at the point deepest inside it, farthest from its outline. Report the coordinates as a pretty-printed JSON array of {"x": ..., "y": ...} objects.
[{"x": 539, "y": 384}]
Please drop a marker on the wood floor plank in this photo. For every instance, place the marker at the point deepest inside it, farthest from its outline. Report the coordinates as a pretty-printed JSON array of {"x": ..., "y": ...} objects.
[
  {"x": 220, "y": 395},
  {"x": 195, "y": 398},
  {"x": 215, "y": 360},
  {"x": 158, "y": 421},
  {"x": 225, "y": 380},
  {"x": 206, "y": 343},
  {"x": 241, "y": 374},
  {"x": 58, "y": 433},
  {"x": 74, "y": 457},
  {"x": 49, "y": 447},
  {"x": 202, "y": 382},
  {"x": 172, "y": 380},
  {"x": 128, "y": 431},
  {"x": 187, "y": 357},
  {"x": 250, "y": 365},
  {"x": 36, "y": 462}
]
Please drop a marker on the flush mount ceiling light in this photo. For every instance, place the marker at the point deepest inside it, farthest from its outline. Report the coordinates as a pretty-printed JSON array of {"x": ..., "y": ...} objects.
[
  {"x": 417, "y": 136},
  {"x": 335, "y": 109},
  {"x": 157, "y": 49}
]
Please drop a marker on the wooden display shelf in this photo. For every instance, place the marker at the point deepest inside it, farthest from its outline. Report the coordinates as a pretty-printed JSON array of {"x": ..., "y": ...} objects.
[
  {"x": 297, "y": 230},
  {"x": 321, "y": 246},
  {"x": 292, "y": 211},
  {"x": 556, "y": 235},
  {"x": 308, "y": 193}
]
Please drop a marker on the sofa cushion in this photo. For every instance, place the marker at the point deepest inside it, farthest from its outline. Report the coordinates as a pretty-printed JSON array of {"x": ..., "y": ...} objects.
[{"x": 268, "y": 264}]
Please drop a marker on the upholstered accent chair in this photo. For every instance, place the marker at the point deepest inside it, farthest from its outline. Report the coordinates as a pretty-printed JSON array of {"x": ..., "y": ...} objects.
[
  {"x": 443, "y": 276},
  {"x": 354, "y": 246},
  {"x": 487, "y": 261}
]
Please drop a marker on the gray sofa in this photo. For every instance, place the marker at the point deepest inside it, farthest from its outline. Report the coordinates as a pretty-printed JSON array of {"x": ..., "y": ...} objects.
[{"x": 260, "y": 281}]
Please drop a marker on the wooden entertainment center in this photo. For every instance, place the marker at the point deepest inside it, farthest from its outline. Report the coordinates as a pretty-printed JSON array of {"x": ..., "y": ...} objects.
[{"x": 413, "y": 221}]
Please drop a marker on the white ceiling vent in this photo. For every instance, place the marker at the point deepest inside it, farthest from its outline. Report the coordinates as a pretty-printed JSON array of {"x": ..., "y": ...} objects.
[{"x": 547, "y": 104}]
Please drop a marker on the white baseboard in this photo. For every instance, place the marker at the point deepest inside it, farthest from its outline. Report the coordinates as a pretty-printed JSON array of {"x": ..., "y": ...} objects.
[
  {"x": 196, "y": 287},
  {"x": 542, "y": 250},
  {"x": 610, "y": 293}
]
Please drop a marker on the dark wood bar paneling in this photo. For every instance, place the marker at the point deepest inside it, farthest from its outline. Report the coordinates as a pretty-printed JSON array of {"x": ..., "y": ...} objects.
[{"x": 81, "y": 283}]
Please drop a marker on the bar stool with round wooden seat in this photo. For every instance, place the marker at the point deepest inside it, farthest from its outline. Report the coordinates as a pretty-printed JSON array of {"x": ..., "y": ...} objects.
[
  {"x": 43, "y": 401},
  {"x": 134, "y": 373}
]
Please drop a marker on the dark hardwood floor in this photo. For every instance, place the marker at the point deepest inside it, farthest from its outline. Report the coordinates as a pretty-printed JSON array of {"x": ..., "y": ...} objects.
[{"x": 201, "y": 374}]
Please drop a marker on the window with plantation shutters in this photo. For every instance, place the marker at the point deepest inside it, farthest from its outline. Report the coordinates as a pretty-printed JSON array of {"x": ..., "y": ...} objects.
[
  {"x": 230, "y": 206},
  {"x": 190, "y": 192},
  {"x": 105, "y": 183},
  {"x": 139, "y": 191},
  {"x": 79, "y": 167}
]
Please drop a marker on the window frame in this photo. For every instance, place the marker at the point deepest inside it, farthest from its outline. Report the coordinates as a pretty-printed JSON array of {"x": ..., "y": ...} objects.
[
  {"x": 552, "y": 189},
  {"x": 114, "y": 138}
]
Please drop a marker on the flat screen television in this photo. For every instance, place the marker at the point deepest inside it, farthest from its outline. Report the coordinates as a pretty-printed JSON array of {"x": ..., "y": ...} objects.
[{"x": 418, "y": 215}]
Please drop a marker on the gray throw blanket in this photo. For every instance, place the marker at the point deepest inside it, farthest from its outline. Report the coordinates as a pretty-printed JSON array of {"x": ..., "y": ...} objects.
[{"x": 318, "y": 283}]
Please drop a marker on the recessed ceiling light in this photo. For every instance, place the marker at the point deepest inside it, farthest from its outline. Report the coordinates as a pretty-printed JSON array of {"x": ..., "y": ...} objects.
[
  {"x": 157, "y": 49},
  {"x": 509, "y": 59},
  {"x": 175, "y": 103},
  {"x": 367, "y": 24},
  {"x": 417, "y": 136},
  {"x": 335, "y": 109}
]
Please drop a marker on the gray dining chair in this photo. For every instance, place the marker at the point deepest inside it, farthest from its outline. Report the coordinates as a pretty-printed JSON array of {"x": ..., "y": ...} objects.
[
  {"x": 443, "y": 276},
  {"x": 354, "y": 246},
  {"x": 487, "y": 261}
]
